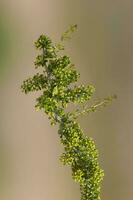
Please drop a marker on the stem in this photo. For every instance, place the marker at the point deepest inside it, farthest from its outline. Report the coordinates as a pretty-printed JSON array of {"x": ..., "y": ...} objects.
[{"x": 94, "y": 107}]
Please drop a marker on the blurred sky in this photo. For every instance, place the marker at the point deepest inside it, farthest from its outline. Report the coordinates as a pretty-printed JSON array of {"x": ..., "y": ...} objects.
[{"x": 102, "y": 50}]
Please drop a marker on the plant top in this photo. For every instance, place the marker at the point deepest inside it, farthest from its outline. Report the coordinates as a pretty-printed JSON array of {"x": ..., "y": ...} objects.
[{"x": 56, "y": 79}]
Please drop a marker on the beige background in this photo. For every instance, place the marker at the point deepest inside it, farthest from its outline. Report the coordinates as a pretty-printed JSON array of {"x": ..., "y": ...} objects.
[{"x": 102, "y": 50}]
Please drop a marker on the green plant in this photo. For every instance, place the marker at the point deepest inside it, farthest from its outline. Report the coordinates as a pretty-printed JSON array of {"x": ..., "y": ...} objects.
[{"x": 56, "y": 80}]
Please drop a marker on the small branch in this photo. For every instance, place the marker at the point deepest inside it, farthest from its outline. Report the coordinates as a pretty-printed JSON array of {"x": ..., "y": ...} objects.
[{"x": 94, "y": 107}]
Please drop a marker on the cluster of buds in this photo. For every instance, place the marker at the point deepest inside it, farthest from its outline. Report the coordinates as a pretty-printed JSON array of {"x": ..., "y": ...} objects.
[{"x": 57, "y": 83}]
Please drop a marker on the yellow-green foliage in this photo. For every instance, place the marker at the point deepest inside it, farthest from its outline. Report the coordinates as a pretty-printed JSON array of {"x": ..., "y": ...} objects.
[{"x": 55, "y": 82}]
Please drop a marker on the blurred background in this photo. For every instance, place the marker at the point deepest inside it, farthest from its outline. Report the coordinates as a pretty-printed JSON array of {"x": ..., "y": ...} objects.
[{"x": 102, "y": 51}]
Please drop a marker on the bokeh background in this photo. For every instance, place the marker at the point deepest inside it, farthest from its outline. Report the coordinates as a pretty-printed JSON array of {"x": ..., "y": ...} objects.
[{"x": 102, "y": 50}]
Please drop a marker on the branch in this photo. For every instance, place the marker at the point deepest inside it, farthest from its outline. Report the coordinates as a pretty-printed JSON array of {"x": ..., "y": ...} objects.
[{"x": 100, "y": 104}]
